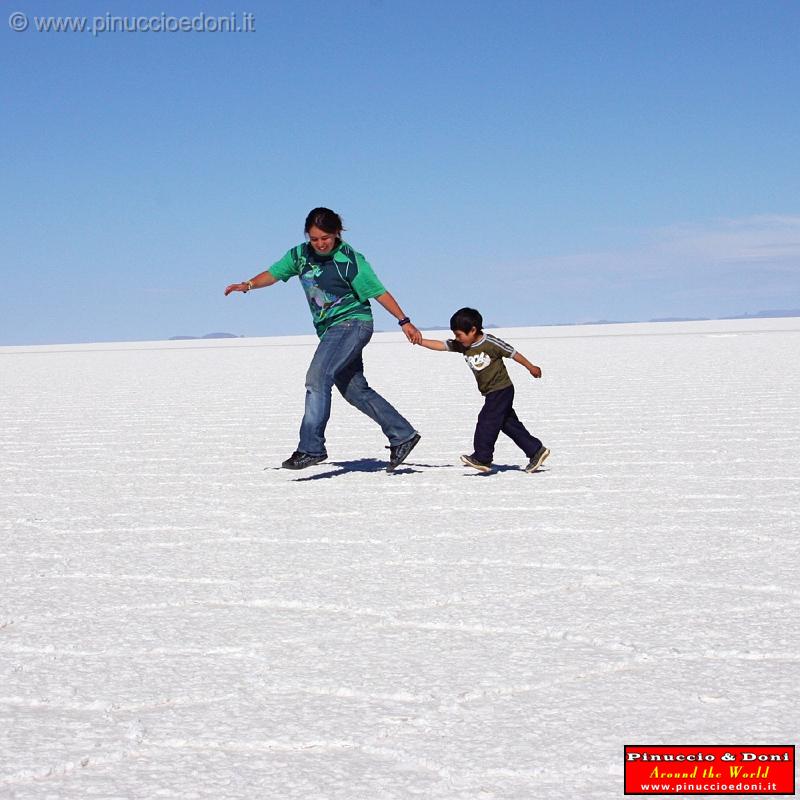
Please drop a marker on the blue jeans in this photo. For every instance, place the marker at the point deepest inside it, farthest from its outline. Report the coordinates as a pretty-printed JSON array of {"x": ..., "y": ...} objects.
[{"x": 337, "y": 360}]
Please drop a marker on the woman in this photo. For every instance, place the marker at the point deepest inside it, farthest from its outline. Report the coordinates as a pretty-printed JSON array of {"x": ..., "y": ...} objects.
[{"x": 339, "y": 283}]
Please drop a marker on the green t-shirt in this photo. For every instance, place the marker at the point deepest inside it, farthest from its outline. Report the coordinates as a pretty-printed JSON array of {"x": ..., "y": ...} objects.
[
  {"x": 338, "y": 285},
  {"x": 485, "y": 359}
]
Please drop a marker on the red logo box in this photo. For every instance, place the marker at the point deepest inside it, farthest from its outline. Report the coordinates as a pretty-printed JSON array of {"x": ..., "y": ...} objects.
[{"x": 709, "y": 769}]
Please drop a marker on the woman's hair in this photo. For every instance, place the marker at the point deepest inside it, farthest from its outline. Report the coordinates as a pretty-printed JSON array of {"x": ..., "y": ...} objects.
[
  {"x": 465, "y": 319},
  {"x": 324, "y": 219}
]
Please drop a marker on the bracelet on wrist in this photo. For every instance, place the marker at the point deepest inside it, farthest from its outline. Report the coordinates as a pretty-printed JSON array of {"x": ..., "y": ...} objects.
[
  {"x": 403, "y": 321},
  {"x": 249, "y": 285}
]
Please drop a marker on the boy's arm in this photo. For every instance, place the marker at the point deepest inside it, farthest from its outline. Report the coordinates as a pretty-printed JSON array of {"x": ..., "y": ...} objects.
[
  {"x": 433, "y": 344},
  {"x": 532, "y": 368}
]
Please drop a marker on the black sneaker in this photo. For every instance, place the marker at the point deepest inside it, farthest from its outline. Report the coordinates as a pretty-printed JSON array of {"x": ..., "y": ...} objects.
[
  {"x": 471, "y": 461},
  {"x": 399, "y": 452},
  {"x": 299, "y": 460},
  {"x": 536, "y": 461}
]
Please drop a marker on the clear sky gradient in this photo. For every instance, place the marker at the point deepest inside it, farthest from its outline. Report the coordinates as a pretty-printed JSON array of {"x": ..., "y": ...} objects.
[{"x": 546, "y": 162}]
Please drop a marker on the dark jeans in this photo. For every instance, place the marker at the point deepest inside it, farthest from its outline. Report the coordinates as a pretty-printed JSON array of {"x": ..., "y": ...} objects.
[{"x": 498, "y": 415}]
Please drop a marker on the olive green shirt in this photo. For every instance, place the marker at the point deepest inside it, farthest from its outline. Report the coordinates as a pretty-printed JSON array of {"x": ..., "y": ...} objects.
[{"x": 485, "y": 359}]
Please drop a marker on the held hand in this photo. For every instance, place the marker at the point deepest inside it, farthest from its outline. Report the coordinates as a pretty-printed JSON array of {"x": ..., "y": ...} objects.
[
  {"x": 412, "y": 333},
  {"x": 236, "y": 287},
  {"x": 535, "y": 371}
]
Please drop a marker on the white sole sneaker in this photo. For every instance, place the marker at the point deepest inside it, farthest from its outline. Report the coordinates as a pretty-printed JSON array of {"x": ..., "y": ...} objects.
[
  {"x": 537, "y": 460},
  {"x": 467, "y": 461}
]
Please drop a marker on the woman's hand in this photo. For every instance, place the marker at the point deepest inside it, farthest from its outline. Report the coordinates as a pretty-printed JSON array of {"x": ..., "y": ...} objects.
[
  {"x": 237, "y": 287},
  {"x": 412, "y": 333}
]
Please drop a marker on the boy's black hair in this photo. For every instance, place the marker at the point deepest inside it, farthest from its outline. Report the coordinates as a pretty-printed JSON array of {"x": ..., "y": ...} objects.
[{"x": 465, "y": 319}]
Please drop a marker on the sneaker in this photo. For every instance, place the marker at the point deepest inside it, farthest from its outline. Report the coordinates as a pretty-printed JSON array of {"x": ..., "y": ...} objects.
[
  {"x": 537, "y": 460},
  {"x": 471, "y": 461},
  {"x": 299, "y": 460},
  {"x": 399, "y": 452}
]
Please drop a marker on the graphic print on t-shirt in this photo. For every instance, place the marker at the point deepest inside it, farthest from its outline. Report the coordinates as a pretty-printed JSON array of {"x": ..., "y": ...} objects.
[
  {"x": 485, "y": 359},
  {"x": 318, "y": 289},
  {"x": 479, "y": 361}
]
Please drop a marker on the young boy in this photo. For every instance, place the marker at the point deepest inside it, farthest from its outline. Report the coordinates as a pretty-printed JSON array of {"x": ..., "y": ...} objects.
[{"x": 484, "y": 354}]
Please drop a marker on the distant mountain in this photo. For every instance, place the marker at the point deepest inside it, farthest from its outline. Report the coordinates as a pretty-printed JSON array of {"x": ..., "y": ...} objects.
[
  {"x": 207, "y": 336},
  {"x": 678, "y": 319},
  {"x": 790, "y": 312},
  {"x": 794, "y": 312}
]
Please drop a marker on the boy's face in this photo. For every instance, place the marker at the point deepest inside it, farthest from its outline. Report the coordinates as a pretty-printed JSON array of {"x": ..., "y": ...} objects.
[{"x": 467, "y": 339}]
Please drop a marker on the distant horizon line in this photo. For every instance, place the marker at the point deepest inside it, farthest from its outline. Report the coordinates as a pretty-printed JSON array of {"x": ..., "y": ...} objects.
[{"x": 770, "y": 314}]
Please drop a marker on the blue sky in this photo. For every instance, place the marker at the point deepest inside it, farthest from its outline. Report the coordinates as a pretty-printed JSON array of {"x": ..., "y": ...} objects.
[{"x": 546, "y": 162}]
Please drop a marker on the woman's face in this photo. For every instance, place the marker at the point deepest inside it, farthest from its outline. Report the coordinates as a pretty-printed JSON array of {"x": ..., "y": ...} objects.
[{"x": 321, "y": 241}]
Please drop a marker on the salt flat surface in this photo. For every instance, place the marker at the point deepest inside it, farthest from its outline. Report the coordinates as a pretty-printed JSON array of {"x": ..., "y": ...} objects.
[{"x": 180, "y": 619}]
